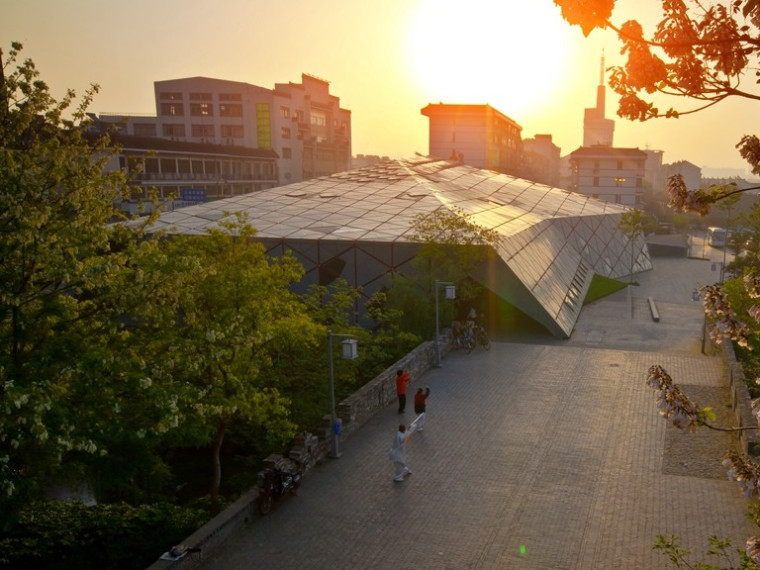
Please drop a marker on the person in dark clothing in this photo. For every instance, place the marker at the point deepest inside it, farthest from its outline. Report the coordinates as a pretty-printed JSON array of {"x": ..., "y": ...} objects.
[
  {"x": 420, "y": 401},
  {"x": 402, "y": 379}
]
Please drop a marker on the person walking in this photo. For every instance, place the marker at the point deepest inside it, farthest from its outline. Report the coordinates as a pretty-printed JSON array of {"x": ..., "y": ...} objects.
[
  {"x": 398, "y": 455},
  {"x": 402, "y": 379},
  {"x": 420, "y": 399}
]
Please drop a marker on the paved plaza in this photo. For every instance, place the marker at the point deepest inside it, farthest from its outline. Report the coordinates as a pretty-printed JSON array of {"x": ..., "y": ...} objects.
[{"x": 540, "y": 454}]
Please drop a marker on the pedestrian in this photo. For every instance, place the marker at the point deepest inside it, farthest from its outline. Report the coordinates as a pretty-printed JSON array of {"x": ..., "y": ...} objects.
[
  {"x": 420, "y": 399},
  {"x": 402, "y": 379},
  {"x": 398, "y": 454}
]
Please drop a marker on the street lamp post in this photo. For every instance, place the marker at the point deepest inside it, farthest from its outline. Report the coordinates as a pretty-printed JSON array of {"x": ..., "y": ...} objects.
[
  {"x": 725, "y": 243},
  {"x": 348, "y": 352},
  {"x": 450, "y": 294}
]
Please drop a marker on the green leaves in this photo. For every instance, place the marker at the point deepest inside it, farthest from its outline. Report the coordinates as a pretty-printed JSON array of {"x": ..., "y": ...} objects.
[{"x": 63, "y": 288}]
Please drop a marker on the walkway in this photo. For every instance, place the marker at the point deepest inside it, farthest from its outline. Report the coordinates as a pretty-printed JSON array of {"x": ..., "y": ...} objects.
[{"x": 534, "y": 456}]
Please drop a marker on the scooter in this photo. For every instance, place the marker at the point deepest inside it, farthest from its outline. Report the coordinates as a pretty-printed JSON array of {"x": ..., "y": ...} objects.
[{"x": 276, "y": 483}]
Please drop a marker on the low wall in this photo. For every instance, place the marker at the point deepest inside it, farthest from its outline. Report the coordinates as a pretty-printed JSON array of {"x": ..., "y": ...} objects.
[
  {"x": 308, "y": 449},
  {"x": 741, "y": 403}
]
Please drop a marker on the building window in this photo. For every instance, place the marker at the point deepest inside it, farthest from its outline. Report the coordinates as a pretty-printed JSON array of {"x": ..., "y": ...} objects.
[
  {"x": 299, "y": 116},
  {"x": 318, "y": 119},
  {"x": 173, "y": 130},
  {"x": 285, "y": 132},
  {"x": 183, "y": 166},
  {"x": 232, "y": 131},
  {"x": 168, "y": 166},
  {"x": 200, "y": 96},
  {"x": 596, "y": 181},
  {"x": 230, "y": 97},
  {"x": 151, "y": 165},
  {"x": 285, "y": 112},
  {"x": 453, "y": 137},
  {"x": 170, "y": 96},
  {"x": 172, "y": 109},
  {"x": 620, "y": 165},
  {"x": 144, "y": 129},
  {"x": 263, "y": 133},
  {"x": 202, "y": 131},
  {"x": 201, "y": 109},
  {"x": 287, "y": 152},
  {"x": 230, "y": 110}
]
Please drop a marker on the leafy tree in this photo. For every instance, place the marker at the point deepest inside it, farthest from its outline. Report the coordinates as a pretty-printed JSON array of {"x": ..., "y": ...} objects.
[
  {"x": 229, "y": 323},
  {"x": 747, "y": 257},
  {"x": 633, "y": 224},
  {"x": 453, "y": 247},
  {"x": 67, "y": 282},
  {"x": 699, "y": 52},
  {"x": 73, "y": 536}
]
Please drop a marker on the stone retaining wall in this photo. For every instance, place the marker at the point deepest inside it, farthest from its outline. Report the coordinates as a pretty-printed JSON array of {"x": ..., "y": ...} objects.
[
  {"x": 308, "y": 449},
  {"x": 749, "y": 440}
]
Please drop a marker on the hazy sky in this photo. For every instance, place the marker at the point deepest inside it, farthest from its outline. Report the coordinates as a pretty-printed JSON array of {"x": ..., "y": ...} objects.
[{"x": 384, "y": 60}]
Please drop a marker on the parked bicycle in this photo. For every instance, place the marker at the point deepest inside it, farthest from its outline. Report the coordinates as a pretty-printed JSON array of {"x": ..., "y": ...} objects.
[
  {"x": 457, "y": 335},
  {"x": 483, "y": 338},
  {"x": 468, "y": 336},
  {"x": 277, "y": 482}
]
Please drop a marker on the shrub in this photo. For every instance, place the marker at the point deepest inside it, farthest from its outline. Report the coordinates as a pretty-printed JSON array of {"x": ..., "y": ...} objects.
[{"x": 74, "y": 536}]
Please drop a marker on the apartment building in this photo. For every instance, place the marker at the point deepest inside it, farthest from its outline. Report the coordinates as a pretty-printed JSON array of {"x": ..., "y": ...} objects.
[
  {"x": 691, "y": 173},
  {"x": 477, "y": 135},
  {"x": 301, "y": 122},
  {"x": 183, "y": 173},
  {"x": 542, "y": 160},
  {"x": 610, "y": 174}
]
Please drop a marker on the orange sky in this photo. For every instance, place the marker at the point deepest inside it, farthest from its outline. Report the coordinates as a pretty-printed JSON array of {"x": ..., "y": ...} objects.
[{"x": 385, "y": 60}]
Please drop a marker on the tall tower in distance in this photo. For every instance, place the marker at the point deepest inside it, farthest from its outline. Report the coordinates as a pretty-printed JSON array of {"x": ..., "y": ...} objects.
[{"x": 598, "y": 131}]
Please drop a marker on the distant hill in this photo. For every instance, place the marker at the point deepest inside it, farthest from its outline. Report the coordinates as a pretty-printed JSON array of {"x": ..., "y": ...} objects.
[{"x": 709, "y": 172}]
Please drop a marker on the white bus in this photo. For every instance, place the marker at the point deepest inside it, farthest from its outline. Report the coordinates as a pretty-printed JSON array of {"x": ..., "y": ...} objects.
[{"x": 716, "y": 237}]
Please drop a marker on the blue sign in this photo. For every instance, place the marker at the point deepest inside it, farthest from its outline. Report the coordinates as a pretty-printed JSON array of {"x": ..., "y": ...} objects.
[{"x": 192, "y": 194}]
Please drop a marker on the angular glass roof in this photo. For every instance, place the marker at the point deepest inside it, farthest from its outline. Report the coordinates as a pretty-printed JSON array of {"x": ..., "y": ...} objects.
[{"x": 552, "y": 240}]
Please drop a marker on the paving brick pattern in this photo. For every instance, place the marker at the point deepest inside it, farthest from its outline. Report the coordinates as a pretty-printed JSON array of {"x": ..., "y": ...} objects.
[{"x": 535, "y": 455}]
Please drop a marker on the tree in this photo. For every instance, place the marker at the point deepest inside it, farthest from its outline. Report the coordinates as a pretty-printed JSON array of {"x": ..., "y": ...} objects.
[
  {"x": 67, "y": 282},
  {"x": 747, "y": 258},
  {"x": 228, "y": 323},
  {"x": 699, "y": 52},
  {"x": 633, "y": 224},
  {"x": 453, "y": 247}
]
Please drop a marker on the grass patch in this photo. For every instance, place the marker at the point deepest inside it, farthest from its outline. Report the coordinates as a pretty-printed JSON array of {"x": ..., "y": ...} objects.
[{"x": 601, "y": 287}]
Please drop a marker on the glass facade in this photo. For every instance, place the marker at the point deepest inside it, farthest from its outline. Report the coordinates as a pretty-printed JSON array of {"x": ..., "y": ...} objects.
[{"x": 551, "y": 243}]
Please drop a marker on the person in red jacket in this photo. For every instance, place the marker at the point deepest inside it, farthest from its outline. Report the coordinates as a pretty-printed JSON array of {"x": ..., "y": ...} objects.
[
  {"x": 419, "y": 406},
  {"x": 402, "y": 379}
]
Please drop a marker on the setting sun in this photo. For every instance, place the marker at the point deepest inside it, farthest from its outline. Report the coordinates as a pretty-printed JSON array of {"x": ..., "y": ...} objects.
[{"x": 513, "y": 54}]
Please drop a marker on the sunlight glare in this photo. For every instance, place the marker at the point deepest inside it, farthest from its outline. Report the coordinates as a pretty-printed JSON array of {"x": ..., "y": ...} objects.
[{"x": 512, "y": 54}]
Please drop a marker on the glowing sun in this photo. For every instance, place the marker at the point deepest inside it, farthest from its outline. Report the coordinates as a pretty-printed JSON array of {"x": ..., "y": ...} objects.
[{"x": 512, "y": 54}]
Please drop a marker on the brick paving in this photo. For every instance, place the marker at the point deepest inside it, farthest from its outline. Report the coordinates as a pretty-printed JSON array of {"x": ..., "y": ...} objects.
[{"x": 539, "y": 454}]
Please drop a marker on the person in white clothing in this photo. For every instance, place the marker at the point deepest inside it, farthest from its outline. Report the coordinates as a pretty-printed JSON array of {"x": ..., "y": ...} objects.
[{"x": 398, "y": 454}]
